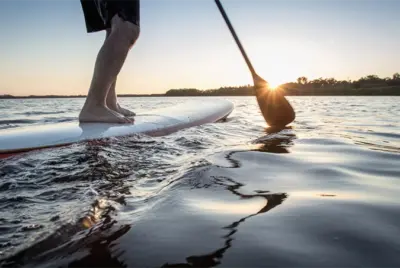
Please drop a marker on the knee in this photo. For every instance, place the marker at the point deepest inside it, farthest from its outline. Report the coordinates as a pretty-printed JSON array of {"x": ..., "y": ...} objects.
[
  {"x": 126, "y": 32},
  {"x": 131, "y": 32}
]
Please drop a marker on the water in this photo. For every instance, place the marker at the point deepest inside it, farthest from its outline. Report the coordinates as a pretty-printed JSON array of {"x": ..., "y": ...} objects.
[{"x": 324, "y": 192}]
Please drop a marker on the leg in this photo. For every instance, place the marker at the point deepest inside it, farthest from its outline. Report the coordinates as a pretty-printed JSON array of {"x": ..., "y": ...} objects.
[
  {"x": 113, "y": 104},
  {"x": 111, "y": 100},
  {"x": 109, "y": 62}
]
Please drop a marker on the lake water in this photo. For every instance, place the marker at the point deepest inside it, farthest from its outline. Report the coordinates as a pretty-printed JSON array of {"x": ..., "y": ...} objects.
[{"x": 324, "y": 192}]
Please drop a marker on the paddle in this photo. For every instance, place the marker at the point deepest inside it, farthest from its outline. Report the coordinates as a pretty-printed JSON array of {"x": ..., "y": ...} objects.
[{"x": 276, "y": 110}]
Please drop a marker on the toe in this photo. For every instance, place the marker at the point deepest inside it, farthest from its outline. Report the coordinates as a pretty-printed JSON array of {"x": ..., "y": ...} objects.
[{"x": 128, "y": 120}]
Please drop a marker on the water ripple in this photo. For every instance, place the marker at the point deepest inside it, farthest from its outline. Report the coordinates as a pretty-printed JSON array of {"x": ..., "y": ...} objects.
[{"x": 323, "y": 192}]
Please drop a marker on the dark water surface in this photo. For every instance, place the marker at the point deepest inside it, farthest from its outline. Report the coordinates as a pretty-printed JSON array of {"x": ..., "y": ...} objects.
[{"x": 324, "y": 192}]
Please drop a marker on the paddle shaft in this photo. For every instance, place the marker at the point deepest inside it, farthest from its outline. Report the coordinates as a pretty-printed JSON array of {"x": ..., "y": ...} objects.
[
  {"x": 246, "y": 58},
  {"x": 274, "y": 107}
]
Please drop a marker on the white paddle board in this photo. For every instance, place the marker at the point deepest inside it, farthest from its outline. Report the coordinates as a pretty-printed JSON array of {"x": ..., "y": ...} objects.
[{"x": 157, "y": 122}]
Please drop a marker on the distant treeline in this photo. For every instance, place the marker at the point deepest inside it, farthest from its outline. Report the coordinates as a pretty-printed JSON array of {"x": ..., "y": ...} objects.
[
  {"x": 368, "y": 85},
  {"x": 371, "y": 85},
  {"x": 222, "y": 91}
]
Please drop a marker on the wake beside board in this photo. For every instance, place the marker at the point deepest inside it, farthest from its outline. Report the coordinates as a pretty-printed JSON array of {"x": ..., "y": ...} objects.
[{"x": 157, "y": 122}]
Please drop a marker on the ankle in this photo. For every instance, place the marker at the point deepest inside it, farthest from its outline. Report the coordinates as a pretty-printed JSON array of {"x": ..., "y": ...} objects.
[
  {"x": 94, "y": 103},
  {"x": 112, "y": 104}
]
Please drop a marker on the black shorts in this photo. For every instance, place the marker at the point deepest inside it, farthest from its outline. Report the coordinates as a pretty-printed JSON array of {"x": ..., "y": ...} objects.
[{"x": 98, "y": 13}]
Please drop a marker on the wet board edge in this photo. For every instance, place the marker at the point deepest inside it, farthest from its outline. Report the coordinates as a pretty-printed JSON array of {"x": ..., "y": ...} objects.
[{"x": 154, "y": 133}]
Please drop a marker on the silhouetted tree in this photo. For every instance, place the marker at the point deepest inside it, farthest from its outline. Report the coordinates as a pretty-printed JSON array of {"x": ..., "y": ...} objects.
[{"x": 302, "y": 80}]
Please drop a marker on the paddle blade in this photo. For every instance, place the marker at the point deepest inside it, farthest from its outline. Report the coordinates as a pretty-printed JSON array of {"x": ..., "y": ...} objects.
[{"x": 274, "y": 107}]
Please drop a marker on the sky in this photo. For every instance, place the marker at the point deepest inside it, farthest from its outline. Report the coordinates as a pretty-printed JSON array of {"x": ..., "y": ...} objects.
[{"x": 45, "y": 49}]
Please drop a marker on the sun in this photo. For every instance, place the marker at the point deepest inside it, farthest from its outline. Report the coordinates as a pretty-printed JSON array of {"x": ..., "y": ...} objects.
[
  {"x": 280, "y": 61},
  {"x": 272, "y": 85},
  {"x": 276, "y": 80}
]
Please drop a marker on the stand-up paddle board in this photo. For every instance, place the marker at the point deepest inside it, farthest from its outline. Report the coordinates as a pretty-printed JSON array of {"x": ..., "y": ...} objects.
[{"x": 157, "y": 122}]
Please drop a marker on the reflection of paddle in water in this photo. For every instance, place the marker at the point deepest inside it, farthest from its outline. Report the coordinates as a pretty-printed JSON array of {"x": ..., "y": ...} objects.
[
  {"x": 214, "y": 258},
  {"x": 276, "y": 141}
]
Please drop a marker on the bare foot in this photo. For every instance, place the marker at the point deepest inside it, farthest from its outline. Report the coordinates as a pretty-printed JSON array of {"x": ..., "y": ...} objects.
[
  {"x": 117, "y": 108},
  {"x": 102, "y": 114}
]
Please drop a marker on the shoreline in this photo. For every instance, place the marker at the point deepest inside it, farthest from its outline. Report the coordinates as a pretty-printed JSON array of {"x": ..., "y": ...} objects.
[{"x": 168, "y": 96}]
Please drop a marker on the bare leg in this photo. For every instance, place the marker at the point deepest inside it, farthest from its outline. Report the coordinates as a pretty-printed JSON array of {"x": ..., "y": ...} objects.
[
  {"x": 113, "y": 104},
  {"x": 111, "y": 100},
  {"x": 109, "y": 62}
]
